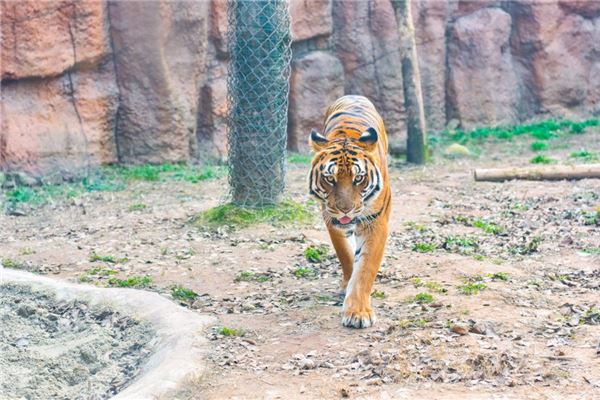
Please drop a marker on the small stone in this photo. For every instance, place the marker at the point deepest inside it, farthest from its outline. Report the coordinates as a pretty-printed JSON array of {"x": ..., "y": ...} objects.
[
  {"x": 306, "y": 363},
  {"x": 461, "y": 330},
  {"x": 479, "y": 328},
  {"x": 22, "y": 342},
  {"x": 456, "y": 150}
]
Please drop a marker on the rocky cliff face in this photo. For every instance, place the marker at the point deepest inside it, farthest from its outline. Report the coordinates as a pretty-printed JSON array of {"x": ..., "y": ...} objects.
[{"x": 95, "y": 82}]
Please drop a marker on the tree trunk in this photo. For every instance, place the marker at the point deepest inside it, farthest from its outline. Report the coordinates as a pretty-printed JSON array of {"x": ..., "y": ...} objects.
[
  {"x": 556, "y": 173},
  {"x": 416, "y": 147},
  {"x": 258, "y": 84}
]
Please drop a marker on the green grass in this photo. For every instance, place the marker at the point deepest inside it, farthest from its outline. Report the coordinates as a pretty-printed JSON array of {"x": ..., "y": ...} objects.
[
  {"x": 107, "y": 259},
  {"x": 488, "y": 227},
  {"x": 584, "y": 155},
  {"x": 542, "y": 159},
  {"x": 13, "y": 264},
  {"x": 423, "y": 298},
  {"x": 102, "y": 271},
  {"x": 435, "y": 287},
  {"x": 225, "y": 331},
  {"x": 460, "y": 244},
  {"x": 303, "y": 272},
  {"x": 130, "y": 282},
  {"x": 543, "y": 130},
  {"x": 315, "y": 254},
  {"x": 539, "y": 146},
  {"x": 378, "y": 294},
  {"x": 247, "y": 276},
  {"x": 591, "y": 217},
  {"x": 498, "y": 276},
  {"x": 236, "y": 216},
  {"x": 412, "y": 323},
  {"x": 591, "y": 250},
  {"x": 180, "y": 293},
  {"x": 112, "y": 179},
  {"x": 424, "y": 247},
  {"x": 137, "y": 207},
  {"x": 297, "y": 158},
  {"x": 472, "y": 285}
]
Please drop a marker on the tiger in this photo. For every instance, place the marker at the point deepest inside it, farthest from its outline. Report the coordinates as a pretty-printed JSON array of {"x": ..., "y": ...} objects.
[{"x": 349, "y": 177}]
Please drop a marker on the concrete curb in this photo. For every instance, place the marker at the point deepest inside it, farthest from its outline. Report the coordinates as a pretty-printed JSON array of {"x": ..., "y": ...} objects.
[{"x": 181, "y": 342}]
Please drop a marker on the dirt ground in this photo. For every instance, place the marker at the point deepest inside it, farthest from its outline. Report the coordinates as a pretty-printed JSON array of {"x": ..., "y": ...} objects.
[{"x": 532, "y": 333}]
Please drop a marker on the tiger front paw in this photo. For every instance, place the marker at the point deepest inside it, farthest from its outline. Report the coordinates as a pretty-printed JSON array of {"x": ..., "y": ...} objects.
[{"x": 359, "y": 318}]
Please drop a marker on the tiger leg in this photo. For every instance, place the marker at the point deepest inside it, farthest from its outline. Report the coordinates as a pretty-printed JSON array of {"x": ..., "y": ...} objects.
[
  {"x": 343, "y": 243},
  {"x": 357, "y": 311}
]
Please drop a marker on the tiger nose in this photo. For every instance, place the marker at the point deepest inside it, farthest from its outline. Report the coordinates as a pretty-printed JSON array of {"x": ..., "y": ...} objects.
[{"x": 345, "y": 210}]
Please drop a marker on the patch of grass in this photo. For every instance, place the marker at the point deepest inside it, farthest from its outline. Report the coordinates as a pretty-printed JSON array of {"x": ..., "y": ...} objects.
[
  {"x": 591, "y": 250},
  {"x": 303, "y": 272},
  {"x": 130, "y": 282},
  {"x": 198, "y": 174},
  {"x": 435, "y": 287},
  {"x": 237, "y": 216},
  {"x": 181, "y": 293},
  {"x": 542, "y": 159},
  {"x": 102, "y": 271},
  {"x": 108, "y": 259},
  {"x": 225, "y": 331},
  {"x": 471, "y": 288},
  {"x": 488, "y": 227},
  {"x": 415, "y": 226},
  {"x": 417, "y": 282},
  {"x": 424, "y": 247},
  {"x": 413, "y": 323},
  {"x": 498, "y": 276},
  {"x": 297, "y": 158},
  {"x": 460, "y": 244},
  {"x": 530, "y": 247},
  {"x": 137, "y": 207},
  {"x": 591, "y": 217},
  {"x": 378, "y": 294},
  {"x": 543, "y": 130},
  {"x": 26, "y": 251},
  {"x": 584, "y": 155},
  {"x": 21, "y": 194},
  {"x": 539, "y": 146},
  {"x": 12, "y": 263},
  {"x": 315, "y": 254},
  {"x": 423, "y": 298},
  {"x": 247, "y": 276}
]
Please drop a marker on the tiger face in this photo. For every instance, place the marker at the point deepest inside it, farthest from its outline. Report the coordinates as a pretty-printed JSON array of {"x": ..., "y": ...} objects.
[{"x": 345, "y": 177}]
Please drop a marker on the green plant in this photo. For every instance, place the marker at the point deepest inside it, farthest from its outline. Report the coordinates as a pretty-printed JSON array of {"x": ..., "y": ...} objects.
[
  {"x": 132, "y": 281},
  {"x": 297, "y": 158},
  {"x": 108, "y": 259},
  {"x": 591, "y": 250},
  {"x": 460, "y": 244},
  {"x": 423, "y": 298},
  {"x": 232, "y": 215},
  {"x": 470, "y": 288},
  {"x": 542, "y": 159},
  {"x": 13, "y": 264},
  {"x": 413, "y": 323},
  {"x": 378, "y": 294},
  {"x": 26, "y": 251},
  {"x": 137, "y": 207},
  {"x": 591, "y": 217},
  {"x": 246, "y": 276},
  {"x": 181, "y": 293},
  {"x": 21, "y": 194},
  {"x": 539, "y": 146},
  {"x": 498, "y": 276},
  {"x": 231, "y": 331},
  {"x": 435, "y": 287},
  {"x": 315, "y": 254},
  {"x": 488, "y": 227},
  {"x": 102, "y": 271},
  {"x": 416, "y": 281},
  {"x": 530, "y": 247},
  {"x": 303, "y": 272},
  {"x": 423, "y": 247},
  {"x": 585, "y": 155}
]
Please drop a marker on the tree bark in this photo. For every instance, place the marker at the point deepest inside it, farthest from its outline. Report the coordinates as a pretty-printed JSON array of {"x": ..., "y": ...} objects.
[
  {"x": 416, "y": 147},
  {"x": 557, "y": 172}
]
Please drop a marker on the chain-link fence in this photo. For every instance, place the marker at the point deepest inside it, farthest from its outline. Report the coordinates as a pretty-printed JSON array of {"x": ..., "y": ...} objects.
[{"x": 258, "y": 85}]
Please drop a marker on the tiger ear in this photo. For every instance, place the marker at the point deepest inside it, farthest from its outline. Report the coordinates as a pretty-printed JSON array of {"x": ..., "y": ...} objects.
[
  {"x": 317, "y": 141},
  {"x": 369, "y": 138}
]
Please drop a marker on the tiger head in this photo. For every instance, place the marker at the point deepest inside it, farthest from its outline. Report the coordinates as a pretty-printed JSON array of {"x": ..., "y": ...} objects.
[{"x": 345, "y": 176}]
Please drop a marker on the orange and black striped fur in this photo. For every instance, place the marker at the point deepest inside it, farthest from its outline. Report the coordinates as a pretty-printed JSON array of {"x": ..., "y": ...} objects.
[{"x": 349, "y": 176}]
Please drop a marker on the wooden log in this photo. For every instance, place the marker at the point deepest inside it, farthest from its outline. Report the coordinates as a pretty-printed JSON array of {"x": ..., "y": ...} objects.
[{"x": 552, "y": 173}]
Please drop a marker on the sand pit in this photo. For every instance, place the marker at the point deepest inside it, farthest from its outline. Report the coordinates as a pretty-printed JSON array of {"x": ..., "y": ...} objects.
[{"x": 61, "y": 340}]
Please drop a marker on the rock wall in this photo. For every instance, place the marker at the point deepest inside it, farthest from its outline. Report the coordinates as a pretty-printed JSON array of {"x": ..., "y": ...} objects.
[{"x": 95, "y": 82}]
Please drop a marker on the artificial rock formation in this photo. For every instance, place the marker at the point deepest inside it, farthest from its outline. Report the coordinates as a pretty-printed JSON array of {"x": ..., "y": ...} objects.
[{"x": 96, "y": 81}]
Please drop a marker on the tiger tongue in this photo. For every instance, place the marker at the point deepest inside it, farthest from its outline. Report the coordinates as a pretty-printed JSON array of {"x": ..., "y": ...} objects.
[{"x": 345, "y": 219}]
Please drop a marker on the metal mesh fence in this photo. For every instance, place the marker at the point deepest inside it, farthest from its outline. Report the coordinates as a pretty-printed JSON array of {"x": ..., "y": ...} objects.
[{"x": 259, "y": 43}]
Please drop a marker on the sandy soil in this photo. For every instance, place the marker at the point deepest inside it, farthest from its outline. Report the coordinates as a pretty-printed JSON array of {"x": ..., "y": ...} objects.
[
  {"x": 59, "y": 349},
  {"x": 535, "y": 335}
]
